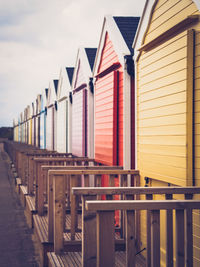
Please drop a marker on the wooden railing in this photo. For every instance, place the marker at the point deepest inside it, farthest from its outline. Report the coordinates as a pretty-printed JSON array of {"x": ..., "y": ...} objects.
[
  {"x": 183, "y": 235},
  {"x": 58, "y": 179}
]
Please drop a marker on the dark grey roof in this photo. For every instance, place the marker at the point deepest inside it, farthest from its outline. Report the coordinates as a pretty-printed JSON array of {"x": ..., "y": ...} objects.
[
  {"x": 70, "y": 72},
  {"x": 56, "y": 85},
  {"x": 46, "y": 92},
  {"x": 91, "y": 54},
  {"x": 128, "y": 28}
]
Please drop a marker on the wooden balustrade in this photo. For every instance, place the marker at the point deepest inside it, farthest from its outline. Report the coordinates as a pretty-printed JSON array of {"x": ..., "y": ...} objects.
[{"x": 105, "y": 235}]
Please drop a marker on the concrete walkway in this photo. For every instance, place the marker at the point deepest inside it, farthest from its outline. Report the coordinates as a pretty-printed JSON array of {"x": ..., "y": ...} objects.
[{"x": 16, "y": 244}]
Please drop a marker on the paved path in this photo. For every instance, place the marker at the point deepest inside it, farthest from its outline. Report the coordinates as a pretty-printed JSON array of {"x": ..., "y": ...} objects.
[{"x": 16, "y": 245}]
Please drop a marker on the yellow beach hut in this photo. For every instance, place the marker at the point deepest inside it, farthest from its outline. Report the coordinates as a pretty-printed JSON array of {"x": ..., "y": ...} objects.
[{"x": 167, "y": 53}]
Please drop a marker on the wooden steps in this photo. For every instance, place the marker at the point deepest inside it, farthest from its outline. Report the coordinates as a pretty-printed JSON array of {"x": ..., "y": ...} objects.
[
  {"x": 70, "y": 259},
  {"x": 18, "y": 182},
  {"x": 29, "y": 210},
  {"x": 22, "y": 194}
]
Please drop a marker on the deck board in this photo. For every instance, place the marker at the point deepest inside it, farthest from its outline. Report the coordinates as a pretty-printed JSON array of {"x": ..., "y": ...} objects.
[{"x": 70, "y": 259}]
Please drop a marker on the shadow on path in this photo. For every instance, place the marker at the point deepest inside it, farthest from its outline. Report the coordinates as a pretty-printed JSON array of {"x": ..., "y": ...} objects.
[{"x": 16, "y": 245}]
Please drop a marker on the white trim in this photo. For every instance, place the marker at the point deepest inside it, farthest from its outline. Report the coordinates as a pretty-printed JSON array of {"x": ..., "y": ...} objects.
[
  {"x": 197, "y": 2},
  {"x": 120, "y": 47}
]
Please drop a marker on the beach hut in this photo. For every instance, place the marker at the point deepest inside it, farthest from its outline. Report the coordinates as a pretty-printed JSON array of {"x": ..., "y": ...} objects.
[
  {"x": 64, "y": 111},
  {"x": 22, "y": 127},
  {"x": 114, "y": 123},
  {"x": 82, "y": 104},
  {"x": 51, "y": 115},
  {"x": 167, "y": 48},
  {"x": 38, "y": 110},
  {"x": 29, "y": 130},
  {"x": 43, "y": 118},
  {"x": 15, "y": 130},
  {"x": 25, "y": 125},
  {"x": 34, "y": 123}
]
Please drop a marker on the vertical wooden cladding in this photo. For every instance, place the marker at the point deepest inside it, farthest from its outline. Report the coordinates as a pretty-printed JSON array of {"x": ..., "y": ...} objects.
[
  {"x": 168, "y": 102},
  {"x": 79, "y": 115},
  {"x": 62, "y": 126},
  {"x": 79, "y": 123},
  {"x": 109, "y": 109}
]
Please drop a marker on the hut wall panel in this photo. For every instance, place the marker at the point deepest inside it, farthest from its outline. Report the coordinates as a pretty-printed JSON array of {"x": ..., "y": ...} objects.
[
  {"x": 105, "y": 110},
  {"x": 61, "y": 127},
  {"x": 42, "y": 130},
  {"x": 78, "y": 124},
  {"x": 49, "y": 129},
  {"x": 161, "y": 104},
  {"x": 169, "y": 14}
]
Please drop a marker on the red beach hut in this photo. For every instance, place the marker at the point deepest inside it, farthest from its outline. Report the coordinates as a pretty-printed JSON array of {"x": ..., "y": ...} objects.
[{"x": 114, "y": 122}]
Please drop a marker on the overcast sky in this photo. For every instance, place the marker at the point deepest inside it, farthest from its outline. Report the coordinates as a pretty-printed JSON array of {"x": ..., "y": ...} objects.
[{"x": 37, "y": 37}]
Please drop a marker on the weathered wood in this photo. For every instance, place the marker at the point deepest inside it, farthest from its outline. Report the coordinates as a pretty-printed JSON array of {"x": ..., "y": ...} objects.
[
  {"x": 130, "y": 238},
  {"x": 73, "y": 182},
  {"x": 155, "y": 239},
  {"x": 50, "y": 209},
  {"x": 105, "y": 239},
  {"x": 142, "y": 204},
  {"x": 100, "y": 171},
  {"x": 180, "y": 238},
  {"x": 89, "y": 235},
  {"x": 169, "y": 234},
  {"x": 189, "y": 237},
  {"x": 135, "y": 190},
  {"x": 59, "y": 204},
  {"x": 148, "y": 224}
]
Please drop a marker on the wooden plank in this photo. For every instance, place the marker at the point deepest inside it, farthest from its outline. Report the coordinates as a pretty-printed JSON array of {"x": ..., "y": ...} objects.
[
  {"x": 142, "y": 204},
  {"x": 40, "y": 191},
  {"x": 130, "y": 238},
  {"x": 59, "y": 204},
  {"x": 169, "y": 234},
  {"x": 99, "y": 171},
  {"x": 50, "y": 209},
  {"x": 190, "y": 107},
  {"x": 73, "y": 182},
  {"x": 155, "y": 241},
  {"x": 148, "y": 226},
  {"x": 135, "y": 190},
  {"x": 189, "y": 237},
  {"x": 180, "y": 238},
  {"x": 105, "y": 239},
  {"x": 89, "y": 235}
]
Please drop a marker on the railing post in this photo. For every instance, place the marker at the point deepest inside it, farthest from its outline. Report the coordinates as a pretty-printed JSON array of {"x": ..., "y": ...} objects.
[
  {"x": 50, "y": 209},
  {"x": 130, "y": 238},
  {"x": 148, "y": 222},
  {"x": 180, "y": 239},
  {"x": 89, "y": 235},
  {"x": 59, "y": 203},
  {"x": 155, "y": 238},
  {"x": 105, "y": 239},
  {"x": 169, "y": 234}
]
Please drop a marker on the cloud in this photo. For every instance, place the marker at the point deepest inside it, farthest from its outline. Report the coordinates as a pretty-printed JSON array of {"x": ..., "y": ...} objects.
[{"x": 38, "y": 37}]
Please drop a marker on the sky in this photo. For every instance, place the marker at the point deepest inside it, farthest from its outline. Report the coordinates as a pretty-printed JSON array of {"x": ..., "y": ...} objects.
[{"x": 38, "y": 37}]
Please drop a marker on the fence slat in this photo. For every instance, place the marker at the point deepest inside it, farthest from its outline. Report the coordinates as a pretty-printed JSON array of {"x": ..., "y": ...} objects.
[
  {"x": 169, "y": 234},
  {"x": 180, "y": 238},
  {"x": 58, "y": 185},
  {"x": 148, "y": 221},
  {"x": 155, "y": 239},
  {"x": 130, "y": 238},
  {"x": 105, "y": 239},
  {"x": 189, "y": 237}
]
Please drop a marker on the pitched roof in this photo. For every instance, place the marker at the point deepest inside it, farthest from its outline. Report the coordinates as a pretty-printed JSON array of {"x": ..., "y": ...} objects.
[
  {"x": 70, "y": 72},
  {"x": 46, "y": 92},
  {"x": 91, "y": 54},
  {"x": 56, "y": 85},
  {"x": 128, "y": 28}
]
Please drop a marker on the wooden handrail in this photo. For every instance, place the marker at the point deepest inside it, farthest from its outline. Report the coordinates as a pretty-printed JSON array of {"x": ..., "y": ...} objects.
[
  {"x": 105, "y": 205},
  {"x": 93, "y": 172},
  {"x": 134, "y": 190}
]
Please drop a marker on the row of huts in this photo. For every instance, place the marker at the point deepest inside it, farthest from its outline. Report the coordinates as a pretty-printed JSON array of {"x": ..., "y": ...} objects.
[{"x": 135, "y": 101}]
